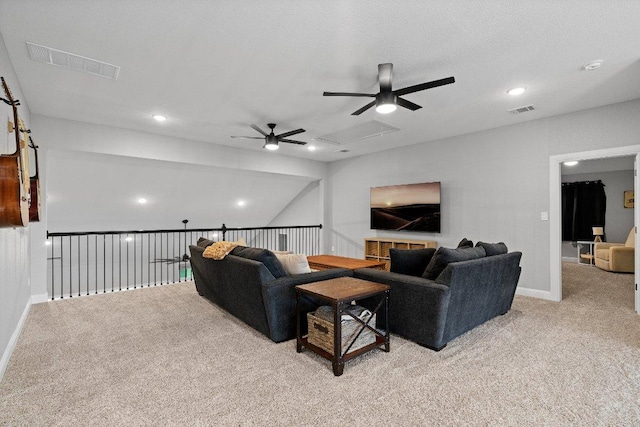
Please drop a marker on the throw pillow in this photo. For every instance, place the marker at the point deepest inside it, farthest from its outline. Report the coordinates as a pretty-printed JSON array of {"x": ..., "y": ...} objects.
[
  {"x": 410, "y": 261},
  {"x": 218, "y": 250},
  {"x": 264, "y": 256},
  {"x": 294, "y": 263},
  {"x": 203, "y": 243},
  {"x": 465, "y": 243},
  {"x": 493, "y": 248},
  {"x": 444, "y": 256}
]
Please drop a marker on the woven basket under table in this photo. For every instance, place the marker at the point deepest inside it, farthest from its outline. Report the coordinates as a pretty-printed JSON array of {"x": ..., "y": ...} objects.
[{"x": 320, "y": 325}]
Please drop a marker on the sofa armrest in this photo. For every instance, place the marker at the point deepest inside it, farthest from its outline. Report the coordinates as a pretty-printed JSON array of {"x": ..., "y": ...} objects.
[
  {"x": 622, "y": 259},
  {"x": 279, "y": 298},
  {"x": 598, "y": 246},
  {"x": 417, "y": 306}
]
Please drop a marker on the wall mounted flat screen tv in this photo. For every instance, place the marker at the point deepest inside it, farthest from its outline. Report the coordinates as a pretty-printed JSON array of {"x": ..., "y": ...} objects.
[{"x": 409, "y": 207}]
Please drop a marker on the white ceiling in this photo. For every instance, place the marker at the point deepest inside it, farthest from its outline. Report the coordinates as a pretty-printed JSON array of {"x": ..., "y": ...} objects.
[
  {"x": 609, "y": 164},
  {"x": 214, "y": 67}
]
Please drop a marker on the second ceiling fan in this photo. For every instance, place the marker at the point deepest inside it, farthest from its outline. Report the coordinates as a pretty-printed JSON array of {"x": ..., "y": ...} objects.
[
  {"x": 271, "y": 140},
  {"x": 387, "y": 99}
]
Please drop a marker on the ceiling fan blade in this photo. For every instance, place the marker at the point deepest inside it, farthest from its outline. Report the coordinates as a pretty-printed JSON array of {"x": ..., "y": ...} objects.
[
  {"x": 348, "y": 94},
  {"x": 363, "y": 109},
  {"x": 407, "y": 104},
  {"x": 248, "y": 137},
  {"x": 258, "y": 129},
  {"x": 385, "y": 75},
  {"x": 291, "y": 141},
  {"x": 166, "y": 260},
  {"x": 290, "y": 133},
  {"x": 424, "y": 86}
]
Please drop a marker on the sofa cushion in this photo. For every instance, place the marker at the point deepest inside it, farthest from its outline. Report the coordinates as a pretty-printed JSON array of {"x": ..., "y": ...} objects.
[
  {"x": 444, "y": 256},
  {"x": 603, "y": 254},
  {"x": 465, "y": 243},
  {"x": 264, "y": 256},
  {"x": 203, "y": 243},
  {"x": 294, "y": 263},
  {"x": 493, "y": 248},
  {"x": 410, "y": 261}
]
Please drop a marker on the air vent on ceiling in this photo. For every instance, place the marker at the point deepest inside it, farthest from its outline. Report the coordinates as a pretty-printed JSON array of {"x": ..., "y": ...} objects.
[
  {"x": 72, "y": 61},
  {"x": 357, "y": 133},
  {"x": 521, "y": 110}
]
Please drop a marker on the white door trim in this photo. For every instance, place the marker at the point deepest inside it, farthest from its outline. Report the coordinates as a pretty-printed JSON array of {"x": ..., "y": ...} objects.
[{"x": 555, "y": 208}]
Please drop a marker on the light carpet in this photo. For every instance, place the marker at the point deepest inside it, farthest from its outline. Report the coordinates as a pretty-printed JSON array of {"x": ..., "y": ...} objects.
[{"x": 166, "y": 356}]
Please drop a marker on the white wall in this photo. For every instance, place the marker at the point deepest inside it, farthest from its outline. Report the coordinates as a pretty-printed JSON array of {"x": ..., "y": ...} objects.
[
  {"x": 94, "y": 192},
  {"x": 15, "y": 289},
  {"x": 495, "y": 183}
]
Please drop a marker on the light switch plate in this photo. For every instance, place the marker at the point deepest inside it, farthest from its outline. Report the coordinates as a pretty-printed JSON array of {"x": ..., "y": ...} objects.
[{"x": 544, "y": 216}]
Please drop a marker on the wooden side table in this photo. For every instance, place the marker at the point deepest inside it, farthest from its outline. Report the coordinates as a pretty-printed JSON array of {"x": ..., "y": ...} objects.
[{"x": 340, "y": 292}]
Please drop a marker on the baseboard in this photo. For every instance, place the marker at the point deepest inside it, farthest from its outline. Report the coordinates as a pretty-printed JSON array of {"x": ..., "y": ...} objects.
[
  {"x": 4, "y": 362},
  {"x": 37, "y": 299},
  {"x": 534, "y": 293}
]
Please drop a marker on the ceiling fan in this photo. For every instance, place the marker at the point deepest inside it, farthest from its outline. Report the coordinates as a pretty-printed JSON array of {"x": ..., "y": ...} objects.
[
  {"x": 271, "y": 140},
  {"x": 387, "y": 99}
]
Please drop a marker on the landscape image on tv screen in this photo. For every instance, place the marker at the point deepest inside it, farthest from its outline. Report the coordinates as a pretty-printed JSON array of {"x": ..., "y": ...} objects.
[{"x": 409, "y": 207}]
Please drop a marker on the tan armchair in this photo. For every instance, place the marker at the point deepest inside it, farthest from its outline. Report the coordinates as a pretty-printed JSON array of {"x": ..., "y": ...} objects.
[{"x": 618, "y": 257}]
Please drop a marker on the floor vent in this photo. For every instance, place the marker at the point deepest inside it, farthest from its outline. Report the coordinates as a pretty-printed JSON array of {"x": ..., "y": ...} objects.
[
  {"x": 521, "y": 110},
  {"x": 72, "y": 61}
]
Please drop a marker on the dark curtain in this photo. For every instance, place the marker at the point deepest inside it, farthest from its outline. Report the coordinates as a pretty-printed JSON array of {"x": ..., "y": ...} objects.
[{"x": 584, "y": 205}]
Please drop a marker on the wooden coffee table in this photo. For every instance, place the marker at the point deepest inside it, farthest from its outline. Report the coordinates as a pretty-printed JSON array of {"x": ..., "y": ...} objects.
[
  {"x": 340, "y": 292},
  {"x": 324, "y": 262}
]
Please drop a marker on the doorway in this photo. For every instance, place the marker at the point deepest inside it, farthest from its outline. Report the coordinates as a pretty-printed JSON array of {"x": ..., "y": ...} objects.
[{"x": 555, "y": 168}]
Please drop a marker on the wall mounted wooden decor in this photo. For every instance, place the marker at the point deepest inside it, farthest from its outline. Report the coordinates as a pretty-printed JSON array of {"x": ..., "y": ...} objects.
[{"x": 628, "y": 199}]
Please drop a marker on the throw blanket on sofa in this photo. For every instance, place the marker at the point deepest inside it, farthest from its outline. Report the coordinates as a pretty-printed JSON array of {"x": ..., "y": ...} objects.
[{"x": 218, "y": 250}]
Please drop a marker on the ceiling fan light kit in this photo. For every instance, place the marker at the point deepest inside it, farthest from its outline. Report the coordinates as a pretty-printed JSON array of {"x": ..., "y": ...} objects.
[
  {"x": 386, "y": 102},
  {"x": 271, "y": 143}
]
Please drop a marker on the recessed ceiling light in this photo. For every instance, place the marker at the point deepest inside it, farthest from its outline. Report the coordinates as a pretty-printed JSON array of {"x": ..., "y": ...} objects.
[
  {"x": 516, "y": 91},
  {"x": 142, "y": 200},
  {"x": 571, "y": 163},
  {"x": 241, "y": 203},
  {"x": 159, "y": 118},
  {"x": 312, "y": 148},
  {"x": 593, "y": 65}
]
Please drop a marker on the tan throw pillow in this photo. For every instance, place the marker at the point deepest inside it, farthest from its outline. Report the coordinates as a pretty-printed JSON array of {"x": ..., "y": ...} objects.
[
  {"x": 294, "y": 263},
  {"x": 219, "y": 250}
]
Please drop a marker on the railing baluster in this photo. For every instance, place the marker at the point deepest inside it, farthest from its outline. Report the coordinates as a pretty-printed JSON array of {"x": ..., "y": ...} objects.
[
  {"x": 104, "y": 264},
  {"x": 170, "y": 262}
]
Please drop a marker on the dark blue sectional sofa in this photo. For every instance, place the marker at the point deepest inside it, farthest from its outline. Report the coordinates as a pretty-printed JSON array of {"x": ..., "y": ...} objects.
[
  {"x": 251, "y": 284},
  {"x": 468, "y": 288},
  {"x": 465, "y": 294}
]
